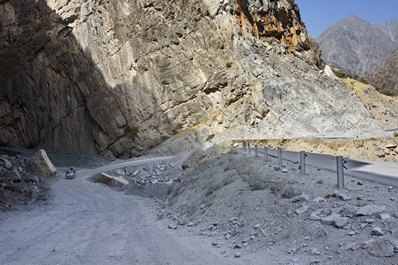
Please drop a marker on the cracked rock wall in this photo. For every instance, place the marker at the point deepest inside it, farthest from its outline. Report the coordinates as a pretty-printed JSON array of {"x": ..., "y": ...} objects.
[{"x": 119, "y": 77}]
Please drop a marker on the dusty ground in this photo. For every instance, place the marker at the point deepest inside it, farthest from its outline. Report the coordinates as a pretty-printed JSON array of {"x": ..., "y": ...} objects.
[
  {"x": 221, "y": 209},
  {"x": 87, "y": 223}
]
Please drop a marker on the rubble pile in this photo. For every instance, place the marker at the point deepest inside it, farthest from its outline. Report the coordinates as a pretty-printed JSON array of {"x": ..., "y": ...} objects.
[
  {"x": 243, "y": 207},
  {"x": 20, "y": 183}
]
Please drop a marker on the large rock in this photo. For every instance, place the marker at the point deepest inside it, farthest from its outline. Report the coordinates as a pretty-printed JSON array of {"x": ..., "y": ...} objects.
[
  {"x": 41, "y": 164},
  {"x": 111, "y": 181}
]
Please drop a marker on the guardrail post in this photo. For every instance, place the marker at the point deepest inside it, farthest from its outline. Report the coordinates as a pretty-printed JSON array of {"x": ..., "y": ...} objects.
[
  {"x": 266, "y": 154},
  {"x": 302, "y": 163},
  {"x": 280, "y": 157},
  {"x": 340, "y": 172},
  {"x": 244, "y": 146},
  {"x": 248, "y": 148},
  {"x": 256, "y": 150}
]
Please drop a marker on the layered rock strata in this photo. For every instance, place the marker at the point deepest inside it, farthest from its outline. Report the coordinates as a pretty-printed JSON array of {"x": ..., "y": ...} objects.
[{"x": 119, "y": 77}]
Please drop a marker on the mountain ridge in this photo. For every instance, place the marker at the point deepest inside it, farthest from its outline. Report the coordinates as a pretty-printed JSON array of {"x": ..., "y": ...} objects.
[{"x": 357, "y": 46}]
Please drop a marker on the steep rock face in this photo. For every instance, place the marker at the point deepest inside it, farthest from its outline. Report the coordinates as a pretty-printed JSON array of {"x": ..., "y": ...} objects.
[
  {"x": 385, "y": 78},
  {"x": 119, "y": 77},
  {"x": 356, "y": 46}
]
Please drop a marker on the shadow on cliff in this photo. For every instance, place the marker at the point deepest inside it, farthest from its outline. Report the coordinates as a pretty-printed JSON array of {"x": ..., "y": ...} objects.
[{"x": 53, "y": 96}]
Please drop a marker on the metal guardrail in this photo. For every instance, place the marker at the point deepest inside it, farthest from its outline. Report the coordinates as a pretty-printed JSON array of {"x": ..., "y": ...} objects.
[{"x": 336, "y": 164}]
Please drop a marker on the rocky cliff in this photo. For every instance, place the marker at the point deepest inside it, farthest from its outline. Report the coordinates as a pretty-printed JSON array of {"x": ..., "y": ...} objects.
[
  {"x": 119, "y": 77},
  {"x": 357, "y": 46}
]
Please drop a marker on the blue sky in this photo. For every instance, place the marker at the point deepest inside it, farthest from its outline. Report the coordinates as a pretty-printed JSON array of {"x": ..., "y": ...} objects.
[{"x": 318, "y": 15}]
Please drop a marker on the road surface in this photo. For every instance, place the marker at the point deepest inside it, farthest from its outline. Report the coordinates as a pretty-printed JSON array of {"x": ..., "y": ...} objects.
[{"x": 88, "y": 223}]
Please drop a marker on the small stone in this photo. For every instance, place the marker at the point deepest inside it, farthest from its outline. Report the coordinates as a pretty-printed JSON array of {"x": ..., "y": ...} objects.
[
  {"x": 359, "y": 197},
  {"x": 190, "y": 224},
  {"x": 323, "y": 233},
  {"x": 391, "y": 145},
  {"x": 277, "y": 168},
  {"x": 237, "y": 246},
  {"x": 370, "y": 209},
  {"x": 369, "y": 220},
  {"x": 380, "y": 248},
  {"x": 216, "y": 244},
  {"x": 360, "y": 182},
  {"x": 15, "y": 177},
  {"x": 385, "y": 216},
  {"x": 341, "y": 196},
  {"x": 202, "y": 206},
  {"x": 301, "y": 210},
  {"x": 351, "y": 233},
  {"x": 319, "y": 200},
  {"x": 341, "y": 222},
  {"x": 237, "y": 255},
  {"x": 377, "y": 231},
  {"x": 245, "y": 240},
  {"x": 390, "y": 188},
  {"x": 285, "y": 170},
  {"x": 331, "y": 219},
  {"x": 300, "y": 198},
  {"x": 6, "y": 163},
  {"x": 314, "y": 216},
  {"x": 172, "y": 226},
  {"x": 257, "y": 226}
]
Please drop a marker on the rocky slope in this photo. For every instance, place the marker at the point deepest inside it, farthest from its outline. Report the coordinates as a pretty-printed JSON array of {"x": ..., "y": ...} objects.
[
  {"x": 385, "y": 78},
  {"x": 357, "y": 46},
  {"x": 117, "y": 78}
]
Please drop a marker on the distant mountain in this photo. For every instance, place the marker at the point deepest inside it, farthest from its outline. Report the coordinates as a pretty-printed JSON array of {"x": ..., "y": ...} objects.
[
  {"x": 357, "y": 46},
  {"x": 385, "y": 78}
]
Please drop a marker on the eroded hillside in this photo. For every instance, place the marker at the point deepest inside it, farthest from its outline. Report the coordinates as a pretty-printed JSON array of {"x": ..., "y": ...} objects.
[{"x": 119, "y": 77}]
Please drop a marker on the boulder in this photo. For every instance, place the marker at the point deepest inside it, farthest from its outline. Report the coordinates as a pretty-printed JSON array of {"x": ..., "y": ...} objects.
[
  {"x": 41, "y": 164},
  {"x": 111, "y": 181}
]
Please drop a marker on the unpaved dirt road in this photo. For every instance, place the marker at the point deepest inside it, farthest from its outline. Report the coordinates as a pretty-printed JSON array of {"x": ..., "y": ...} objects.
[{"x": 88, "y": 223}]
